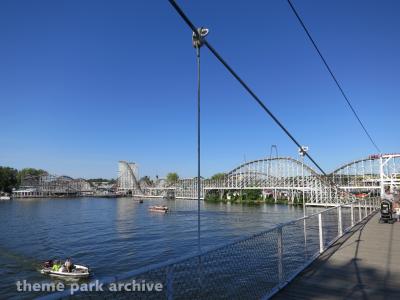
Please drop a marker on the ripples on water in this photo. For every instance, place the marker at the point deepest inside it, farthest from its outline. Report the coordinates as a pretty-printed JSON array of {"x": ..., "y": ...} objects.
[{"x": 117, "y": 235}]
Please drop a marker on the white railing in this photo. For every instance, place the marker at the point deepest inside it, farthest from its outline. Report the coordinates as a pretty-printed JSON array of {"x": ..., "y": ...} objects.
[{"x": 249, "y": 268}]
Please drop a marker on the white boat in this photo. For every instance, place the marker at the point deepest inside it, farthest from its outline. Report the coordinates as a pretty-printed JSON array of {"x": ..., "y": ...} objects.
[
  {"x": 77, "y": 272},
  {"x": 5, "y": 198},
  {"x": 159, "y": 208}
]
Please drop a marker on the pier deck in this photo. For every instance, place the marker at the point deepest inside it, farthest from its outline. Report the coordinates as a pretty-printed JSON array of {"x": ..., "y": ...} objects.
[{"x": 364, "y": 264}]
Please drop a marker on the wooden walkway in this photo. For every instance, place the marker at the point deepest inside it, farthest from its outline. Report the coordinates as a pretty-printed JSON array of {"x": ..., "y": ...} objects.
[{"x": 364, "y": 264}]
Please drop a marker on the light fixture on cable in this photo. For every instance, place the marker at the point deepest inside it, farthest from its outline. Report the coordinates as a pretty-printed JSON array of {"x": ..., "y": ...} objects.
[
  {"x": 197, "y": 39},
  {"x": 303, "y": 150}
]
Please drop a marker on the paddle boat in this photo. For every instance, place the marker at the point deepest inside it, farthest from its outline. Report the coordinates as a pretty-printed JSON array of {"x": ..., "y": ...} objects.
[
  {"x": 159, "y": 208},
  {"x": 4, "y": 196},
  {"x": 77, "y": 272}
]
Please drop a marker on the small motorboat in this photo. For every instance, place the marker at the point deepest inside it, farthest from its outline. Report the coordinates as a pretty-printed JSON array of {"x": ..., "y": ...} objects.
[
  {"x": 4, "y": 196},
  {"x": 78, "y": 271},
  {"x": 159, "y": 208},
  {"x": 141, "y": 201}
]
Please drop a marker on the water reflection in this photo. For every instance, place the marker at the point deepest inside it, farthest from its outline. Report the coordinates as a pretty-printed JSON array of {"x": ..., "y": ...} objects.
[{"x": 125, "y": 219}]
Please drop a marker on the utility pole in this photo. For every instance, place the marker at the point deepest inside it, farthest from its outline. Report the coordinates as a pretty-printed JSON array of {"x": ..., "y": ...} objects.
[
  {"x": 302, "y": 152},
  {"x": 197, "y": 41}
]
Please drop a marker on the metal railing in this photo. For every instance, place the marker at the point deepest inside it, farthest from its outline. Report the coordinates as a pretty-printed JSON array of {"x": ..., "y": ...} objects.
[{"x": 249, "y": 268}]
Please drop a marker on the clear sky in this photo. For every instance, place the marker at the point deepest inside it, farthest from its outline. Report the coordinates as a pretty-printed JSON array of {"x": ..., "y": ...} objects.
[{"x": 84, "y": 84}]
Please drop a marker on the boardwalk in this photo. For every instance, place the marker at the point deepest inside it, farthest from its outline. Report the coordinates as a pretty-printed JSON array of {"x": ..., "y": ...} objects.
[{"x": 364, "y": 264}]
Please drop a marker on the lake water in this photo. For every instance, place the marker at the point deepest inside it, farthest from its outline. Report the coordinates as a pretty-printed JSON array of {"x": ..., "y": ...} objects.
[{"x": 113, "y": 236}]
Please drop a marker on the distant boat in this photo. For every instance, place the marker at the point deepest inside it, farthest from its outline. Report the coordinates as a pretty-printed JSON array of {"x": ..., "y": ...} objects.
[
  {"x": 5, "y": 198},
  {"x": 159, "y": 208}
]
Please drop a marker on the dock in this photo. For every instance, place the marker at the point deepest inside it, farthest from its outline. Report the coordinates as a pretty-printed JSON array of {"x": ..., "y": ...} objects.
[{"x": 363, "y": 264}]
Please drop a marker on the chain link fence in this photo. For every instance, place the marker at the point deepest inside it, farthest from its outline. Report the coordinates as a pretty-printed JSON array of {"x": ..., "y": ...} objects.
[{"x": 251, "y": 268}]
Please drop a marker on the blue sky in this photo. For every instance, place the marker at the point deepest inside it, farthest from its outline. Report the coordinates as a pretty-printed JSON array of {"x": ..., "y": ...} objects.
[{"x": 84, "y": 84}]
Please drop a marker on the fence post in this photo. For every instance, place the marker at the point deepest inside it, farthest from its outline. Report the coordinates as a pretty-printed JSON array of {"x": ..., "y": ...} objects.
[
  {"x": 365, "y": 209},
  {"x": 305, "y": 239},
  {"x": 352, "y": 214},
  {"x": 321, "y": 240},
  {"x": 359, "y": 211},
  {"x": 280, "y": 255},
  {"x": 340, "y": 225}
]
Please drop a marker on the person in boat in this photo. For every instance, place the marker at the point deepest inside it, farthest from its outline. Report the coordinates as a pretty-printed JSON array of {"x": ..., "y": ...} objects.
[
  {"x": 48, "y": 264},
  {"x": 56, "y": 266},
  {"x": 68, "y": 265}
]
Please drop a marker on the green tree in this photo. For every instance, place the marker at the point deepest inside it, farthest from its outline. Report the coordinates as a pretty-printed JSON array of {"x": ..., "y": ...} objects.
[
  {"x": 172, "y": 177},
  {"x": 91, "y": 180},
  {"x": 29, "y": 172},
  {"x": 212, "y": 196},
  {"x": 8, "y": 179},
  {"x": 218, "y": 176},
  {"x": 252, "y": 195}
]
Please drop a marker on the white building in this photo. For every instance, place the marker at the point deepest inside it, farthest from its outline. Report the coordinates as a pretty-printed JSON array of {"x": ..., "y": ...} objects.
[{"x": 127, "y": 175}]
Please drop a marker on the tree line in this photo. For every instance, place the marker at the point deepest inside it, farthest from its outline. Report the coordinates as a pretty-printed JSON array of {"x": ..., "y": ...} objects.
[
  {"x": 174, "y": 177},
  {"x": 11, "y": 178}
]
